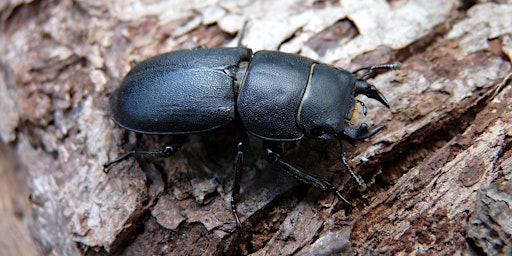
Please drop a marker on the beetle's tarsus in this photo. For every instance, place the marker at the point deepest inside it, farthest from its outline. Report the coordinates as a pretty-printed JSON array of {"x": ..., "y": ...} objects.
[
  {"x": 239, "y": 161},
  {"x": 302, "y": 176},
  {"x": 242, "y": 34},
  {"x": 502, "y": 85},
  {"x": 360, "y": 182},
  {"x": 341, "y": 197},
  {"x": 165, "y": 151},
  {"x": 107, "y": 165}
]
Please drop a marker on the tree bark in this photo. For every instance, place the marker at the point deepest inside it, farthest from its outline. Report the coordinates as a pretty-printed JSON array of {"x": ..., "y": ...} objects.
[{"x": 438, "y": 175}]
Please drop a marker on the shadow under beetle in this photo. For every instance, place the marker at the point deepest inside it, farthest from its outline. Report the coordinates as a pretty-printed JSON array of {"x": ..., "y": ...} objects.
[{"x": 276, "y": 96}]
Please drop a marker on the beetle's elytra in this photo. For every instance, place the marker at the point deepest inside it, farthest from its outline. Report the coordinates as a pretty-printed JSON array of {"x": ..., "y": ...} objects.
[{"x": 276, "y": 96}]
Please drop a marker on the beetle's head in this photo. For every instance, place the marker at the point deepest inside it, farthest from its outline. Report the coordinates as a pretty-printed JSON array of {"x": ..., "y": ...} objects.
[
  {"x": 329, "y": 103},
  {"x": 370, "y": 91}
]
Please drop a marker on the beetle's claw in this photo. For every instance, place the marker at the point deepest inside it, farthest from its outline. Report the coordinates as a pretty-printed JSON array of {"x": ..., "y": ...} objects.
[
  {"x": 362, "y": 132},
  {"x": 370, "y": 91}
]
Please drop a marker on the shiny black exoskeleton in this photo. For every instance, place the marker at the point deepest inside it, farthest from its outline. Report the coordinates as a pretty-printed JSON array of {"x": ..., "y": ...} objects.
[{"x": 276, "y": 96}]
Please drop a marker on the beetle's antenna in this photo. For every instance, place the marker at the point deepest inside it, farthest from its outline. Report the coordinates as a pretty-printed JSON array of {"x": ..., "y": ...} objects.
[
  {"x": 362, "y": 105},
  {"x": 371, "y": 69}
]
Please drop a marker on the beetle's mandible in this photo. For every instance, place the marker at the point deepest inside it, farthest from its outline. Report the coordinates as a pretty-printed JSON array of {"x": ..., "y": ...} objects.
[{"x": 276, "y": 96}]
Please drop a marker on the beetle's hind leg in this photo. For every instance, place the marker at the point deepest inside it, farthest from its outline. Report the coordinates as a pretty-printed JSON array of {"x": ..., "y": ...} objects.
[
  {"x": 165, "y": 151},
  {"x": 303, "y": 176}
]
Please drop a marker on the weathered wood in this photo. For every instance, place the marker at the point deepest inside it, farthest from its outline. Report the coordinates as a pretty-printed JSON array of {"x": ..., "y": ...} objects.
[{"x": 438, "y": 175}]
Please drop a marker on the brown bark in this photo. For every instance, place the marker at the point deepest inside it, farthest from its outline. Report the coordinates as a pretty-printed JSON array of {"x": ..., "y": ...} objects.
[{"x": 438, "y": 176}]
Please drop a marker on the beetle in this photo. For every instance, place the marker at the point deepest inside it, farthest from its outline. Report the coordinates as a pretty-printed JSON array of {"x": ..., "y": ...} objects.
[{"x": 276, "y": 96}]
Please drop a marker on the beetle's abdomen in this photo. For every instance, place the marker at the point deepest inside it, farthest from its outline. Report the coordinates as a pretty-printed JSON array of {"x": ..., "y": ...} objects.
[
  {"x": 182, "y": 92},
  {"x": 271, "y": 94}
]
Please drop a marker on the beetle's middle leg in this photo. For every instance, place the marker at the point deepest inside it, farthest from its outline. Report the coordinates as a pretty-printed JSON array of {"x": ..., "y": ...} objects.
[
  {"x": 241, "y": 149},
  {"x": 303, "y": 176},
  {"x": 165, "y": 151}
]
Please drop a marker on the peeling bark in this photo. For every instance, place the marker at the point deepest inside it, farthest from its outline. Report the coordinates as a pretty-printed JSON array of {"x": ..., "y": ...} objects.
[{"x": 438, "y": 175}]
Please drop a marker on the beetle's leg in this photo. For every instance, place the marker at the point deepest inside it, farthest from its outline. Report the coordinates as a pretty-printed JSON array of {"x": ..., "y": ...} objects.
[
  {"x": 371, "y": 69},
  {"x": 165, "y": 151},
  {"x": 241, "y": 148},
  {"x": 506, "y": 81},
  {"x": 359, "y": 180},
  {"x": 242, "y": 34},
  {"x": 298, "y": 174}
]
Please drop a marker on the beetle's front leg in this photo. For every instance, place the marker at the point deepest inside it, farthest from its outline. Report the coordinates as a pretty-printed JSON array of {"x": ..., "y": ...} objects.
[
  {"x": 165, "y": 151},
  {"x": 298, "y": 174},
  {"x": 239, "y": 162},
  {"x": 359, "y": 180}
]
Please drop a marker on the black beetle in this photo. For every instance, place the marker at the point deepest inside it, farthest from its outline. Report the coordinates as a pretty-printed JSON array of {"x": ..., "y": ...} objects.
[{"x": 276, "y": 96}]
